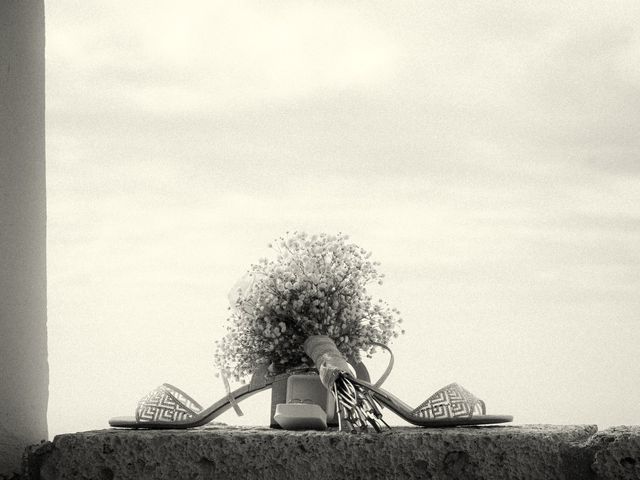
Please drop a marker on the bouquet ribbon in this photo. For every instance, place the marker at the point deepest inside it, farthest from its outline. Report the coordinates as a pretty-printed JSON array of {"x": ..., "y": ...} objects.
[{"x": 327, "y": 358}]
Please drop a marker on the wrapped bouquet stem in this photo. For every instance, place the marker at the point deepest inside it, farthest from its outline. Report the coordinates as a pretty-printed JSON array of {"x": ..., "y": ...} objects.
[{"x": 356, "y": 408}]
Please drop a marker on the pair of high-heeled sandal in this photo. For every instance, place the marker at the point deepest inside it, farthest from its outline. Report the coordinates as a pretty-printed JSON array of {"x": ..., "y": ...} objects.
[{"x": 168, "y": 407}]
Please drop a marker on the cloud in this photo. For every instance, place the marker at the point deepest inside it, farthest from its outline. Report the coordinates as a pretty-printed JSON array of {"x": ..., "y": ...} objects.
[
  {"x": 167, "y": 57},
  {"x": 278, "y": 83}
]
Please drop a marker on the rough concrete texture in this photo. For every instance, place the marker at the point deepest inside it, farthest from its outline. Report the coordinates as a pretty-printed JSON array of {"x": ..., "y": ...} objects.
[
  {"x": 616, "y": 452},
  {"x": 220, "y": 452}
]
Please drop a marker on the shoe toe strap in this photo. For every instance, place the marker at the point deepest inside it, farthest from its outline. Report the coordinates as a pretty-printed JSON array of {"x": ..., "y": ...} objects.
[
  {"x": 166, "y": 403},
  {"x": 450, "y": 402}
]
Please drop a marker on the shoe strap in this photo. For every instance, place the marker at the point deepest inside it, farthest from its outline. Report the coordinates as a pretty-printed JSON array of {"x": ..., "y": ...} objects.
[
  {"x": 386, "y": 373},
  {"x": 230, "y": 396}
]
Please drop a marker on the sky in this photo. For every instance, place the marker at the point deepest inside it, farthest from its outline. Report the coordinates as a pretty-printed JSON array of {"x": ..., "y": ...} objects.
[{"x": 486, "y": 153}]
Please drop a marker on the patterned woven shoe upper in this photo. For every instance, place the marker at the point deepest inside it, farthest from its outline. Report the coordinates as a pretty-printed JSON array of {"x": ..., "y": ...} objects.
[
  {"x": 168, "y": 404},
  {"x": 449, "y": 402}
]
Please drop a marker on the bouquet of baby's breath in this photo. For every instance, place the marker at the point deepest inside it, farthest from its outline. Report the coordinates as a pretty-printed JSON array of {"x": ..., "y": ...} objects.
[{"x": 316, "y": 285}]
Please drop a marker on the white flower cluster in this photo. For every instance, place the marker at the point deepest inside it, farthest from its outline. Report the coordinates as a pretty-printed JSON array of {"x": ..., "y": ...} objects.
[{"x": 315, "y": 286}]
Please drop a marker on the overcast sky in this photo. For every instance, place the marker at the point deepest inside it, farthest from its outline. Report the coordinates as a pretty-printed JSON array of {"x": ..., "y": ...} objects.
[{"x": 487, "y": 153}]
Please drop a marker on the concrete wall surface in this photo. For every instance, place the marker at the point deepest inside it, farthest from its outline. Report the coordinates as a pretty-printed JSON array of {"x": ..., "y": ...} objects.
[
  {"x": 494, "y": 452},
  {"x": 23, "y": 337}
]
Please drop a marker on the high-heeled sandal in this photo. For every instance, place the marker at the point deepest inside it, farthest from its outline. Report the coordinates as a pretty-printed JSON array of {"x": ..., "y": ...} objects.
[
  {"x": 168, "y": 407},
  {"x": 358, "y": 401}
]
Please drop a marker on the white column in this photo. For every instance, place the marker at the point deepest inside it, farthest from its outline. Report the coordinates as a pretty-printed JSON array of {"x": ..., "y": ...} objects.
[{"x": 24, "y": 372}]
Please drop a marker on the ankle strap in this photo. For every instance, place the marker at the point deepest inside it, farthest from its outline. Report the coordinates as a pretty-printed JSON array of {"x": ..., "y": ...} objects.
[
  {"x": 230, "y": 396},
  {"x": 386, "y": 373}
]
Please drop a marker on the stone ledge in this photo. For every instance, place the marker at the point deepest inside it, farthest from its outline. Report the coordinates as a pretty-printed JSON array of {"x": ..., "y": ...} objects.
[
  {"x": 217, "y": 451},
  {"x": 616, "y": 452}
]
